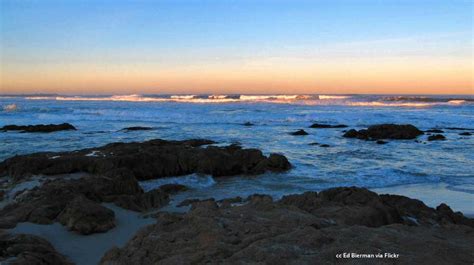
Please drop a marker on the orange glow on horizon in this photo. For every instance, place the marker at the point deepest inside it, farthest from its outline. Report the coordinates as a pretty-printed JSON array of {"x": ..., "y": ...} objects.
[{"x": 381, "y": 76}]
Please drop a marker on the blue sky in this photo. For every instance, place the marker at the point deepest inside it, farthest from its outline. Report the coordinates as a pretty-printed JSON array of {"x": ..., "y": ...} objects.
[{"x": 47, "y": 34}]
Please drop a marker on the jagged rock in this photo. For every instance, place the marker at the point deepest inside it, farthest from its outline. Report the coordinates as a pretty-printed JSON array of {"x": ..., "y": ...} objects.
[
  {"x": 436, "y": 137},
  {"x": 299, "y": 133},
  {"x": 147, "y": 160},
  {"x": 45, "y": 203},
  {"x": 142, "y": 202},
  {"x": 42, "y": 128},
  {"x": 385, "y": 131},
  {"x": 310, "y": 228},
  {"x": 22, "y": 249},
  {"x": 86, "y": 217},
  {"x": 327, "y": 126}
]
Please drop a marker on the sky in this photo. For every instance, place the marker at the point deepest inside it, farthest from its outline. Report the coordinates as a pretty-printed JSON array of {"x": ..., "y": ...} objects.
[{"x": 224, "y": 46}]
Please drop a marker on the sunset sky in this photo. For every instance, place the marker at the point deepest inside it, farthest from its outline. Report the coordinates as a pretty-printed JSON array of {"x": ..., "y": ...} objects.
[{"x": 124, "y": 47}]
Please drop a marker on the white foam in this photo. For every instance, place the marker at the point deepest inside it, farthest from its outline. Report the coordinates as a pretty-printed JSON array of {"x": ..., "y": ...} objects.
[
  {"x": 332, "y": 97},
  {"x": 10, "y": 107},
  {"x": 94, "y": 153}
]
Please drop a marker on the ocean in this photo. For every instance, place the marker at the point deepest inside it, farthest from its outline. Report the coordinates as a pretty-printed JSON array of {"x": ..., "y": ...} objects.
[{"x": 427, "y": 170}]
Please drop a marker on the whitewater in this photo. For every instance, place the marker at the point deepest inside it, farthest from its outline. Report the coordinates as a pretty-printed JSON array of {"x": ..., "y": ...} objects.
[{"x": 432, "y": 171}]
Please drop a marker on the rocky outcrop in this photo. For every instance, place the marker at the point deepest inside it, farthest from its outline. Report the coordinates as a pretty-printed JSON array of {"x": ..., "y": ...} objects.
[
  {"x": 310, "y": 228},
  {"x": 41, "y": 128},
  {"x": 21, "y": 249},
  {"x": 327, "y": 126},
  {"x": 75, "y": 202},
  {"x": 86, "y": 217},
  {"x": 465, "y": 134},
  {"x": 299, "y": 133},
  {"x": 385, "y": 131},
  {"x": 436, "y": 137},
  {"x": 148, "y": 160}
]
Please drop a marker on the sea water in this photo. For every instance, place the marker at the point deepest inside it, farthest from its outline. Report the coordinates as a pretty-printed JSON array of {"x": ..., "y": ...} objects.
[{"x": 346, "y": 162}]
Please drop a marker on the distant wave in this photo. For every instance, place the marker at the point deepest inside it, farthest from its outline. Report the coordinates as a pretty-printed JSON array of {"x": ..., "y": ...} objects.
[
  {"x": 10, "y": 107},
  {"x": 332, "y": 97},
  {"x": 305, "y": 99},
  {"x": 429, "y": 99},
  {"x": 184, "y": 98}
]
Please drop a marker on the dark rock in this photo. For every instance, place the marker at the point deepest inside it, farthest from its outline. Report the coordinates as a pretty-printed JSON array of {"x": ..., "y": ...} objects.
[
  {"x": 310, "y": 228},
  {"x": 324, "y": 145},
  {"x": 172, "y": 188},
  {"x": 327, "y": 126},
  {"x": 381, "y": 142},
  {"x": 459, "y": 128},
  {"x": 315, "y": 143},
  {"x": 299, "y": 132},
  {"x": 22, "y": 249},
  {"x": 155, "y": 198},
  {"x": 188, "y": 202},
  {"x": 42, "y": 128},
  {"x": 148, "y": 160},
  {"x": 465, "y": 134},
  {"x": 137, "y": 128},
  {"x": 434, "y": 131},
  {"x": 230, "y": 201},
  {"x": 86, "y": 217},
  {"x": 436, "y": 137},
  {"x": 44, "y": 204},
  {"x": 385, "y": 131},
  {"x": 248, "y": 124}
]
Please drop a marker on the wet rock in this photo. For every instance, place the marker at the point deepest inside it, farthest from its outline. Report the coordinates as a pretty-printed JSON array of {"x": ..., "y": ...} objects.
[
  {"x": 436, "y": 137},
  {"x": 248, "y": 124},
  {"x": 44, "y": 204},
  {"x": 324, "y": 145},
  {"x": 434, "y": 131},
  {"x": 188, "y": 202},
  {"x": 310, "y": 228},
  {"x": 327, "y": 126},
  {"x": 385, "y": 131},
  {"x": 381, "y": 142},
  {"x": 172, "y": 188},
  {"x": 147, "y": 160},
  {"x": 141, "y": 202},
  {"x": 41, "y": 128},
  {"x": 22, "y": 249},
  {"x": 299, "y": 133},
  {"x": 137, "y": 128},
  {"x": 465, "y": 134},
  {"x": 314, "y": 143},
  {"x": 86, "y": 217}
]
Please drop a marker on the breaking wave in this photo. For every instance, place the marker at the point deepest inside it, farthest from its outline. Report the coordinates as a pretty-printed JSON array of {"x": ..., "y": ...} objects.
[{"x": 305, "y": 99}]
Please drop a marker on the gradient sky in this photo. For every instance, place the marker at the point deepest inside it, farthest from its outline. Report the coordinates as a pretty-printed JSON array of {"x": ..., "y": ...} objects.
[{"x": 121, "y": 47}]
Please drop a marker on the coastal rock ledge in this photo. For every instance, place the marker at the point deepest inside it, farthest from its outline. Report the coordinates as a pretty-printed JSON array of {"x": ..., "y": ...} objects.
[
  {"x": 148, "y": 160},
  {"x": 310, "y": 228},
  {"x": 40, "y": 128},
  {"x": 385, "y": 131}
]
